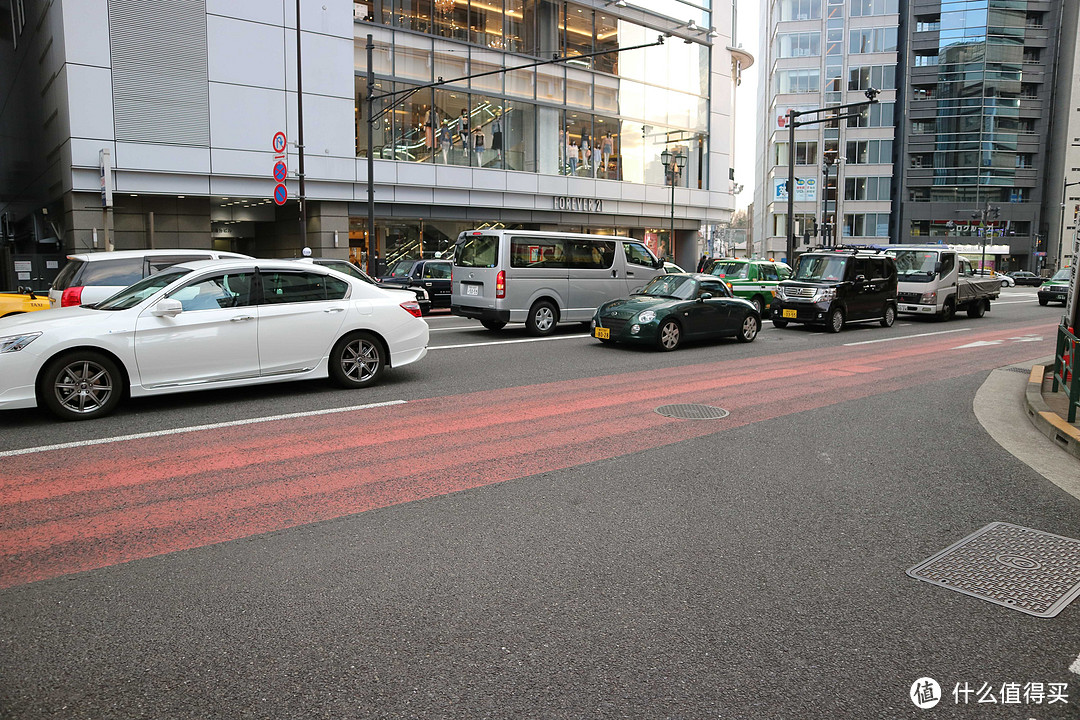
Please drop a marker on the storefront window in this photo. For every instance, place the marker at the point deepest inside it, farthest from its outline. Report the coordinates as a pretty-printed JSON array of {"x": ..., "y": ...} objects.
[
  {"x": 453, "y": 127},
  {"x": 519, "y": 126}
]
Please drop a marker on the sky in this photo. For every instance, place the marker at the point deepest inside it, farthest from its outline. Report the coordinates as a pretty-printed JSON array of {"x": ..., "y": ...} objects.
[{"x": 745, "y": 154}]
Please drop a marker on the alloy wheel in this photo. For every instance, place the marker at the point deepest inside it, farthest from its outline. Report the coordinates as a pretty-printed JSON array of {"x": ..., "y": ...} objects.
[
  {"x": 83, "y": 387},
  {"x": 360, "y": 360}
]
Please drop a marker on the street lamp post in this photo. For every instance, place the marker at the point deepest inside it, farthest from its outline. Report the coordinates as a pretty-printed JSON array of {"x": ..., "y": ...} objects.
[
  {"x": 1061, "y": 230},
  {"x": 679, "y": 159},
  {"x": 983, "y": 214},
  {"x": 829, "y": 159}
]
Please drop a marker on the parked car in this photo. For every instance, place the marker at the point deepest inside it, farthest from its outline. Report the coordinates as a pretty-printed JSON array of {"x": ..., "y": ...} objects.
[
  {"x": 422, "y": 297},
  {"x": 755, "y": 280},
  {"x": 207, "y": 325},
  {"x": 836, "y": 286},
  {"x": 1005, "y": 280},
  {"x": 430, "y": 275},
  {"x": 1025, "y": 277},
  {"x": 544, "y": 278},
  {"x": 23, "y": 301},
  {"x": 90, "y": 277},
  {"x": 1056, "y": 289},
  {"x": 677, "y": 307}
]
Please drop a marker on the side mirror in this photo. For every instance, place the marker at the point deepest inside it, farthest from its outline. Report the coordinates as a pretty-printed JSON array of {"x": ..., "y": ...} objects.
[
  {"x": 937, "y": 268},
  {"x": 704, "y": 296},
  {"x": 860, "y": 278},
  {"x": 659, "y": 264},
  {"x": 167, "y": 307}
]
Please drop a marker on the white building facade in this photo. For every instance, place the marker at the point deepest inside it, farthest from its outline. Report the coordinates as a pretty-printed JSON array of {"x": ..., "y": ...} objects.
[
  {"x": 173, "y": 109},
  {"x": 814, "y": 54}
]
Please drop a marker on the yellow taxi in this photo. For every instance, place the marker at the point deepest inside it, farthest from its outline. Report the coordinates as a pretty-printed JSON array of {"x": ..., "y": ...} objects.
[{"x": 22, "y": 302}]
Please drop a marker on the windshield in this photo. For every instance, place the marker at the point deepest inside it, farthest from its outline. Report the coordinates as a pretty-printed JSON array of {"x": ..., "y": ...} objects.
[
  {"x": 820, "y": 267},
  {"x": 349, "y": 269},
  {"x": 673, "y": 286},
  {"x": 1062, "y": 274},
  {"x": 731, "y": 270},
  {"x": 915, "y": 264},
  {"x": 478, "y": 251},
  {"x": 131, "y": 296},
  {"x": 401, "y": 268}
]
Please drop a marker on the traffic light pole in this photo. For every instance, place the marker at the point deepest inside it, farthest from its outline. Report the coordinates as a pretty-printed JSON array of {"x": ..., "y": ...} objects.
[{"x": 793, "y": 123}]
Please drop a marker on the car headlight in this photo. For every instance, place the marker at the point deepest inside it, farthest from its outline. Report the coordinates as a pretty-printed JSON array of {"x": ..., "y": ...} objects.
[
  {"x": 780, "y": 292},
  {"x": 15, "y": 343},
  {"x": 646, "y": 316},
  {"x": 929, "y": 298},
  {"x": 825, "y": 295}
]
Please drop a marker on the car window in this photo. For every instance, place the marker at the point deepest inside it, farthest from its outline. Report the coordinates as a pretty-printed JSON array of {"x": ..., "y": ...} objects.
[
  {"x": 948, "y": 261},
  {"x": 590, "y": 254},
  {"x": 134, "y": 294},
  {"x": 296, "y": 287},
  {"x": 638, "y": 254},
  {"x": 768, "y": 271},
  {"x": 345, "y": 267},
  {"x": 477, "y": 251},
  {"x": 821, "y": 267},
  {"x": 222, "y": 290},
  {"x": 63, "y": 280},
  {"x": 783, "y": 271},
  {"x": 401, "y": 268},
  {"x": 157, "y": 264},
  {"x": 731, "y": 270},
  {"x": 863, "y": 267},
  {"x": 122, "y": 272},
  {"x": 717, "y": 289},
  {"x": 537, "y": 252},
  {"x": 437, "y": 271}
]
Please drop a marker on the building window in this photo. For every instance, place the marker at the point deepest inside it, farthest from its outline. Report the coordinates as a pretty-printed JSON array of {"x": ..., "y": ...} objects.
[
  {"x": 866, "y": 224},
  {"x": 804, "y": 44},
  {"x": 879, "y": 77},
  {"x": 925, "y": 60},
  {"x": 868, "y": 152},
  {"x": 800, "y": 9},
  {"x": 923, "y": 127},
  {"x": 805, "y": 153},
  {"x": 867, "y": 188},
  {"x": 878, "y": 115},
  {"x": 872, "y": 40},
  {"x": 928, "y": 23},
  {"x": 798, "y": 81},
  {"x": 922, "y": 92},
  {"x": 862, "y": 8}
]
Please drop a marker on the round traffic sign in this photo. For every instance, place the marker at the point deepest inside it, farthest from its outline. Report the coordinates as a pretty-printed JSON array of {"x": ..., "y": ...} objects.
[
  {"x": 279, "y": 142},
  {"x": 281, "y": 194},
  {"x": 280, "y": 172}
]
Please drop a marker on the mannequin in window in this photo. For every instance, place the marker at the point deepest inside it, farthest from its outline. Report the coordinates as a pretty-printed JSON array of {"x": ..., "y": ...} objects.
[
  {"x": 446, "y": 141},
  {"x": 478, "y": 145},
  {"x": 463, "y": 127},
  {"x": 496, "y": 135},
  {"x": 572, "y": 156},
  {"x": 431, "y": 122},
  {"x": 606, "y": 148}
]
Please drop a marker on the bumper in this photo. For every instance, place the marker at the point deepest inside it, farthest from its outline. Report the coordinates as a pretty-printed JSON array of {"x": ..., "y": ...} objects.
[
  {"x": 1056, "y": 296},
  {"x": 915, "y": 309},
  {"x": 478, "y": 313},
  {"x": 646, "y": 333},
  {"x": 805, "y": 312},
  {"x": 18, "y": 373}
]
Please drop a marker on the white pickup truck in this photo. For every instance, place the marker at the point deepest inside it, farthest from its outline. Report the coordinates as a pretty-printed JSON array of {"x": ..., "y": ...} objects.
[{"x": 935, "y": 280}]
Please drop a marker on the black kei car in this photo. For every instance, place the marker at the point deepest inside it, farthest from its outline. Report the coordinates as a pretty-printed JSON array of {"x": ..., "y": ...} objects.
[
  {"x": 431, "y": 275},
  {"x": 833, "y": 286}
]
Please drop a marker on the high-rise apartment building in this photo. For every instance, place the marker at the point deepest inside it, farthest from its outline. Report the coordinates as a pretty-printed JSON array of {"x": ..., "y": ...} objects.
[
  {"x": 813, "y": 54},
  {"x": 176, "y": 108}
]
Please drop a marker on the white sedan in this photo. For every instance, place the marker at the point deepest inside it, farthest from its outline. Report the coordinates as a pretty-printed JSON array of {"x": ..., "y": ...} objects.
[{"x": 208, "y": 324}]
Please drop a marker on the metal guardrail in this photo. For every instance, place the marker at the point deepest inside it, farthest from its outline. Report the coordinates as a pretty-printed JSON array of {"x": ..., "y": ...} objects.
[{"x": 1066, "y": 364}]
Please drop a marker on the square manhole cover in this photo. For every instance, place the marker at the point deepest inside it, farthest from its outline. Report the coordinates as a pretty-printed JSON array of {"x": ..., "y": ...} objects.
[{"x": 1032, "y": 571}]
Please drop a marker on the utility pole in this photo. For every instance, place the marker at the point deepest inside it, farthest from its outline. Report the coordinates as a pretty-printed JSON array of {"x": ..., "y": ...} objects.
[{"x": 300, "y": 132}]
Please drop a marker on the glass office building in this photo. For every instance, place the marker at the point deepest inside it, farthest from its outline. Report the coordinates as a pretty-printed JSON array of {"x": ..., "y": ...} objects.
[{"x": 977, "y": 80}]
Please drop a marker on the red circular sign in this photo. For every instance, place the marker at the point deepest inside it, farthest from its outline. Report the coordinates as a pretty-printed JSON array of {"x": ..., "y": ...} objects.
[
  {"x": 281, "y": 194},
  {"x": 279, "y": 142}
]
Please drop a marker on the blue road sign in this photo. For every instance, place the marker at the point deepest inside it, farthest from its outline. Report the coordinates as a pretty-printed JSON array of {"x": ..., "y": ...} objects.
[
  {"x": 280, "y": 171},
  {"x": 281, "y": 194}
]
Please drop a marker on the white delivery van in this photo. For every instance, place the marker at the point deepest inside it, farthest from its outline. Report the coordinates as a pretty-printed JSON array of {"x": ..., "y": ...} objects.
[{"x": 544, "y": 278}]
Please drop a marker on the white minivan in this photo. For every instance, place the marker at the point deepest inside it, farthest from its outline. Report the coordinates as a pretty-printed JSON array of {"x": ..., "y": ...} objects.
[{"x": 544, "y": 278}]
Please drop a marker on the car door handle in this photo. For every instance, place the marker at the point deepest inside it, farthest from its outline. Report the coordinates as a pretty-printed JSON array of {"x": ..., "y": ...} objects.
[
  {"x": 242, "y": 318},
  {"x": 334, "y": 310},
  {"x": 629, "y": 274},
  {"x": 427, "y": 284},
  {"x": 615, "y": 273}
]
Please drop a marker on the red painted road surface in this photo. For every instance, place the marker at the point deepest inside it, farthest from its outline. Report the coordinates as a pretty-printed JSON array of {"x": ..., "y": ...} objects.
[{"x": 64, "y": 511}]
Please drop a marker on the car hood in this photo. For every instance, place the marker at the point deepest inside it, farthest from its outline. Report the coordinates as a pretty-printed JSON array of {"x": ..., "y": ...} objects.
[
  {"x": 628, "y": 307},
  {"x": 47, "y": 319}
]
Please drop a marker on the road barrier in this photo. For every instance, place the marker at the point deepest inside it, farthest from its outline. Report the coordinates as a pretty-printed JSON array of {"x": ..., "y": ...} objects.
[{"x": 1065, "y": 366}]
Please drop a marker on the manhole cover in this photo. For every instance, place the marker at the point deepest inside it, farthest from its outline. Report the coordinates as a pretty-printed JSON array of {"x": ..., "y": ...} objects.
[
  {"x": 1028, "y": 570},
  {"x": 692, "y": 412}
]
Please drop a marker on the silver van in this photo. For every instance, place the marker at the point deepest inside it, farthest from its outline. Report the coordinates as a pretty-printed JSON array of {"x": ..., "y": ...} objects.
[{"x": 544, "y": 278}]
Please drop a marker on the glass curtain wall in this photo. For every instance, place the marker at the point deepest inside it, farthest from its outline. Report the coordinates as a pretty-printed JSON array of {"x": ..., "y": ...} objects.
[
  {"x": 608, "y": 117},
  {"x": 980, "y": 63}
]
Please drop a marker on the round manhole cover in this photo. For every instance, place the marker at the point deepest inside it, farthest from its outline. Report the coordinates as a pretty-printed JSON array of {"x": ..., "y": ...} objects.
[{"x": 692, "y": 412}]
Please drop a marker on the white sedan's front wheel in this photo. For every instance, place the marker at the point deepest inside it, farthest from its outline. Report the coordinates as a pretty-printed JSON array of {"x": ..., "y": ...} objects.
[{"x": 81, "y": 386}]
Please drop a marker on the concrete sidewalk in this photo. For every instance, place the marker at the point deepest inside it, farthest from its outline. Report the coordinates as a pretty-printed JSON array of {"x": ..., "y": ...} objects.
[{"x": 1048, "y": 410}]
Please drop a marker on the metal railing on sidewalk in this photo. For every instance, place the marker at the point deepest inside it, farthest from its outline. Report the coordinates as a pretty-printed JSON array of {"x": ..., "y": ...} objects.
[{"x": 1065, "y": 367}]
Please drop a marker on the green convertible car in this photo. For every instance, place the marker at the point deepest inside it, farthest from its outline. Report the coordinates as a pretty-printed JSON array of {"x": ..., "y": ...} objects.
[{"x": 677, "y": 307}]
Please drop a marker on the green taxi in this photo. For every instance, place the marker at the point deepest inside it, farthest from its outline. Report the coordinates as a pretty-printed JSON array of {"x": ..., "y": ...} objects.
[
  {"x": 753, "y": 280},
  {"x": 1056, "y": 289}
]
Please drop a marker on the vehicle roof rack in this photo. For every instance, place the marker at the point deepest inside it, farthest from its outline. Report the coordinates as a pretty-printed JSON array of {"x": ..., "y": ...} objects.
[{"x": 849, "y": 248}]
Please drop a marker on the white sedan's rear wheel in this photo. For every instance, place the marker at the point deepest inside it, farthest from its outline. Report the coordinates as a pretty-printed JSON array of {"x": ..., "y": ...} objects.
[{"x": 357, "y": 360}]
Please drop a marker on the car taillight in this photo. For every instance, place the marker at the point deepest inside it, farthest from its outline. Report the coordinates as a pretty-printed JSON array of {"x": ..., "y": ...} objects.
[
  {"x": 72, "y": 297},
  {"x": 500, "y": 284},
  {"x": 412, "y": 307}
]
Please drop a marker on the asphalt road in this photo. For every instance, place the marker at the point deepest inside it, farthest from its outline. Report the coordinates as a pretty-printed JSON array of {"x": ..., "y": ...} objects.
[{"x": 520, "y": 535}]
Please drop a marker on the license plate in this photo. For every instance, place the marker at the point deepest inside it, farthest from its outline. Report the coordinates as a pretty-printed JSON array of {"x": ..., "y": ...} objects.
[
  {"x": 602, "y": 333},
  {"x": 788, "y": 313},
  {"x": 472, "y": 289}
]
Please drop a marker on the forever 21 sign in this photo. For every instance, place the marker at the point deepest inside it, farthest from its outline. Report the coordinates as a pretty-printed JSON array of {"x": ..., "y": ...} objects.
[{"x": 576, "y": 204}]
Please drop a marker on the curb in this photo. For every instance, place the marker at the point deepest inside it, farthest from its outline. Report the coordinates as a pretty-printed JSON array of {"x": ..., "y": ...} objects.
[{"x": 1046, "y": 420}]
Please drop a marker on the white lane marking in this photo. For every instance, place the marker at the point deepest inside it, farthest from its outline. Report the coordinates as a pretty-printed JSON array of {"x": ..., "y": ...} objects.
[
  {"x": 906, "y": 337},
  {"x": 1011, "y": 302},
  {"x": 196, "y": 428},
  {"x": 1075, "y": 667},
  {"x": 505, "y": 342}
]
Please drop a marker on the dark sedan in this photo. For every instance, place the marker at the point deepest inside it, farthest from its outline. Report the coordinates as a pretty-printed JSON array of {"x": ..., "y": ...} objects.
[
  {"x": 1023, "y": 277},
  {"x": 422, "y": 298},
  {"x": 431, "y": 275},
  {"x": 677, "y": 307}
]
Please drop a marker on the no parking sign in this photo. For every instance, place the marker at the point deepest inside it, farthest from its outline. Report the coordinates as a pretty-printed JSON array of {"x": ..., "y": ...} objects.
[{"x": 281, "y": 171}]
